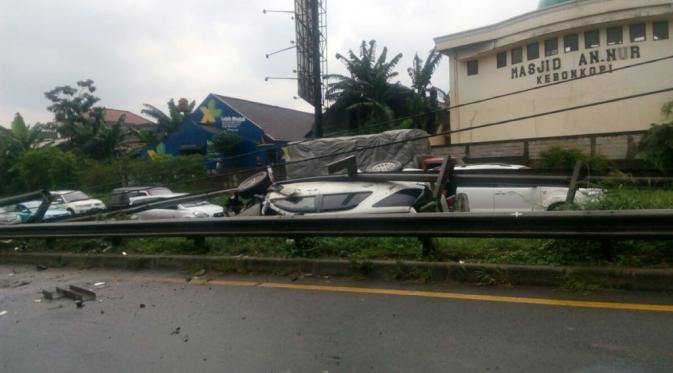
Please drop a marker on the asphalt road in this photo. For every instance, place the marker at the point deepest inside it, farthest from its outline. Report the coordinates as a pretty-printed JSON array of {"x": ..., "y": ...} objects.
[{"x": 157, "y": 322}]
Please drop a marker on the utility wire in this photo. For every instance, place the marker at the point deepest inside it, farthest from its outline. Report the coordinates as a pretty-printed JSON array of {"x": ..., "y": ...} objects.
[
  {"x": 388, "y": 123},
  {"x": 448, "y": 132},
  {"x": 444, "y": 133}
]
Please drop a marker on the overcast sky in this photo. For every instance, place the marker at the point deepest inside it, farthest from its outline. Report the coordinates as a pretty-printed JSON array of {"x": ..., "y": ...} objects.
[{"x": 147, "y": 51}]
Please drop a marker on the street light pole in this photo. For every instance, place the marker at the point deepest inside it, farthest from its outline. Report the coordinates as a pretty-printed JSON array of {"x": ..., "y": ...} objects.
[{"x": 317, "y": 82}]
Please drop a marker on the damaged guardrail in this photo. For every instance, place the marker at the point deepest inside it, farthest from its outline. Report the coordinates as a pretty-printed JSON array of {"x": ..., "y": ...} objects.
[{"x": 625, "y": 224}]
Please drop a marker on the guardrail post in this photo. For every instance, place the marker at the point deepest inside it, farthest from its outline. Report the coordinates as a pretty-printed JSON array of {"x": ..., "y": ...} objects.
[
  {"x": 429, "y": 247},
  {"x": 608, "y": 249},
  {"x": 572, "y": 188},
  {"x": 200, "y": 243}
]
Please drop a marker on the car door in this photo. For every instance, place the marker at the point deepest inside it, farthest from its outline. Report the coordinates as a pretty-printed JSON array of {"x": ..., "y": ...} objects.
[
  {"x": 515, "y": 198},
  {"x": 479, "y": 198}
]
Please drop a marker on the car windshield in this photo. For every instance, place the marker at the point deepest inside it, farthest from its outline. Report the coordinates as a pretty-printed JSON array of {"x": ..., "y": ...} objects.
[
  {"x": 30, "y": 205},
  {"x": 75, "y": 196},
  {"x": 159, "y": 191}
]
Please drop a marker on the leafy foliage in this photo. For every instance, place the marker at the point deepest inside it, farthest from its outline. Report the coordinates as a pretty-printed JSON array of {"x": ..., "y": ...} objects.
[
  {"x": 565, "y": 158},
  {"x": 225, "y": 142},
  {"x": 421, "y": 75},
  {"x": 169, "y": 123},
  {"x": 15, "y": 142},
  {"x": 367, "y": 93},
  {"x": 47, "y": 168},
  {"x": 82, "y": 123},
  {"x": 657, "y": 144}
]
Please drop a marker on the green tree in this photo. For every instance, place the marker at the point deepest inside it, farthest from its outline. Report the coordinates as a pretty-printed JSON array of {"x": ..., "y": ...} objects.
[
  {"x": 367, "y": 93},
  {"x": 225, "y": 142},
  {"x": 169, "y": 123},
  {"x": 148, "y": 137},
  {"x": 421, "y": 76},
  {"x": 47, "y": 168},
  {"x": 19, "y": 139},
  {"x": 656, "y": 147},
  {"x": 83, "y": 124}
]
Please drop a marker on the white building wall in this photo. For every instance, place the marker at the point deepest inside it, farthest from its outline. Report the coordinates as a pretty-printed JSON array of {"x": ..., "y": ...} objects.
[{"x": 628, "y": 115}]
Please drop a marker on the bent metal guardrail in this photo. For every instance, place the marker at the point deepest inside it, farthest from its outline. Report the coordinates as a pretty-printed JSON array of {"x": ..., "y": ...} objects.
[{"x": 627, "y": 224}]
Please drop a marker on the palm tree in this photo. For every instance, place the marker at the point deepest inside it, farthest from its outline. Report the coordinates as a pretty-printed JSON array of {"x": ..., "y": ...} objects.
[
  {"x": 169, "y": 123},
  {"x": 421, "y": 75},
  {"x": 421, "y": 72},
  {"x": 367, "y": 92},
  {"x": 21, "y": 137}
]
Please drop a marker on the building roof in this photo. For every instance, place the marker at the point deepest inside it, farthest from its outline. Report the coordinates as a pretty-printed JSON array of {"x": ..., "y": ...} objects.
[
  {"x": 278, "y": 123},
  {"x": 112, "y": 115},
  {"x": 547, "y": 20}
]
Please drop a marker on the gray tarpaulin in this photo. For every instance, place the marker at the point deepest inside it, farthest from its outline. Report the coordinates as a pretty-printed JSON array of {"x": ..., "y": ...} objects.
[{"x": 372, "y": 151}]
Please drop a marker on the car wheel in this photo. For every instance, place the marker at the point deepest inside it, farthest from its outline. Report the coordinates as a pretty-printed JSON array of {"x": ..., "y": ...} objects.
[
  {"x": 71, "y": 211},
  {"x": 385, "y": 166},
  {"x": 255, "y": 184}
]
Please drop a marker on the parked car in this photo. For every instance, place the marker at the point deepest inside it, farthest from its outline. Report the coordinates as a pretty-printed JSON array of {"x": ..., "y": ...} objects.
[
  {"x": 75, "y": 201},
  {"x": 345, "y": 197},
  {"x": 28, "y": 209},
  {"x": 9, "y": 217},
  {"x": 200, "y": 209},
  {"x": 133, "y": 196},
  {"x": 508, "y": 198},
  {"x": 338, "y": 194}
]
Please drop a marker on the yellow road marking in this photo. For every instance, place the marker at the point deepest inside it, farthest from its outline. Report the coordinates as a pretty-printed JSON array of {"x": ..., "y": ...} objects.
[{"x": 426, "y": 294}]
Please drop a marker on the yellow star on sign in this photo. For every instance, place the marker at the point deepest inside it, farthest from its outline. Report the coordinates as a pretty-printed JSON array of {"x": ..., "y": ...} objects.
[{"x": 209, "y": 113}]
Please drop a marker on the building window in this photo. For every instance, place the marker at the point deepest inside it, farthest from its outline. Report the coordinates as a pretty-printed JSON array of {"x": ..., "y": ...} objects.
[
  {"x": 502, "y": 59},
  {"x": 533, "y": 51},
  {"x": 592, "y": 39},
  {"x": 637, "y": 32},
  {"x": 472, "y": 67},
  {"x": 551, "y": 47},
  {"x": 660, "y": 30},
  {"x": 570, "y": 43},
  {"x": 615, "y": 35},
  {"x": 517, "y": 55}
]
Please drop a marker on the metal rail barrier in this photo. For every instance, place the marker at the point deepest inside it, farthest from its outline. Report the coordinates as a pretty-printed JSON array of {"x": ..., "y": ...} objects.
[
  {"x": 627, "y": 224},
  {"x": 148, "y": 206}
]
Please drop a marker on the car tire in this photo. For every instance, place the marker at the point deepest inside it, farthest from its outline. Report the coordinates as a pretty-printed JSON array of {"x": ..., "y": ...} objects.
[
  {"x": 71, "y": 211},
  {"x": 254, "y": 184},
  {"x": 384, "y": 166}
]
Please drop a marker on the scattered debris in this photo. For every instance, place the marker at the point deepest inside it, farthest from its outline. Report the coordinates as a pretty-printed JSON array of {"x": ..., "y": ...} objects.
[
  {"x": 123, "y": 252},
  {"x": 76, "y": 293},
  {"x": 40, "y": 267},
  {"x": 21, "y": 283},
  {"x": 102, "y": 312},
  {"x": 200, "y": 273},
  {"x": 99, "y": 284},
  {"x": 3, "y": 312},
  {"x": 55, "y": 307},
  {"x": 176, "y": 331},
  {"x": 37, "y": 300},
  {"x": 48, "y": 295},
  {"x": 185, "y": 338},
  {"x": 142, "y": 305},
  {"x": 86, "y": 294}
]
